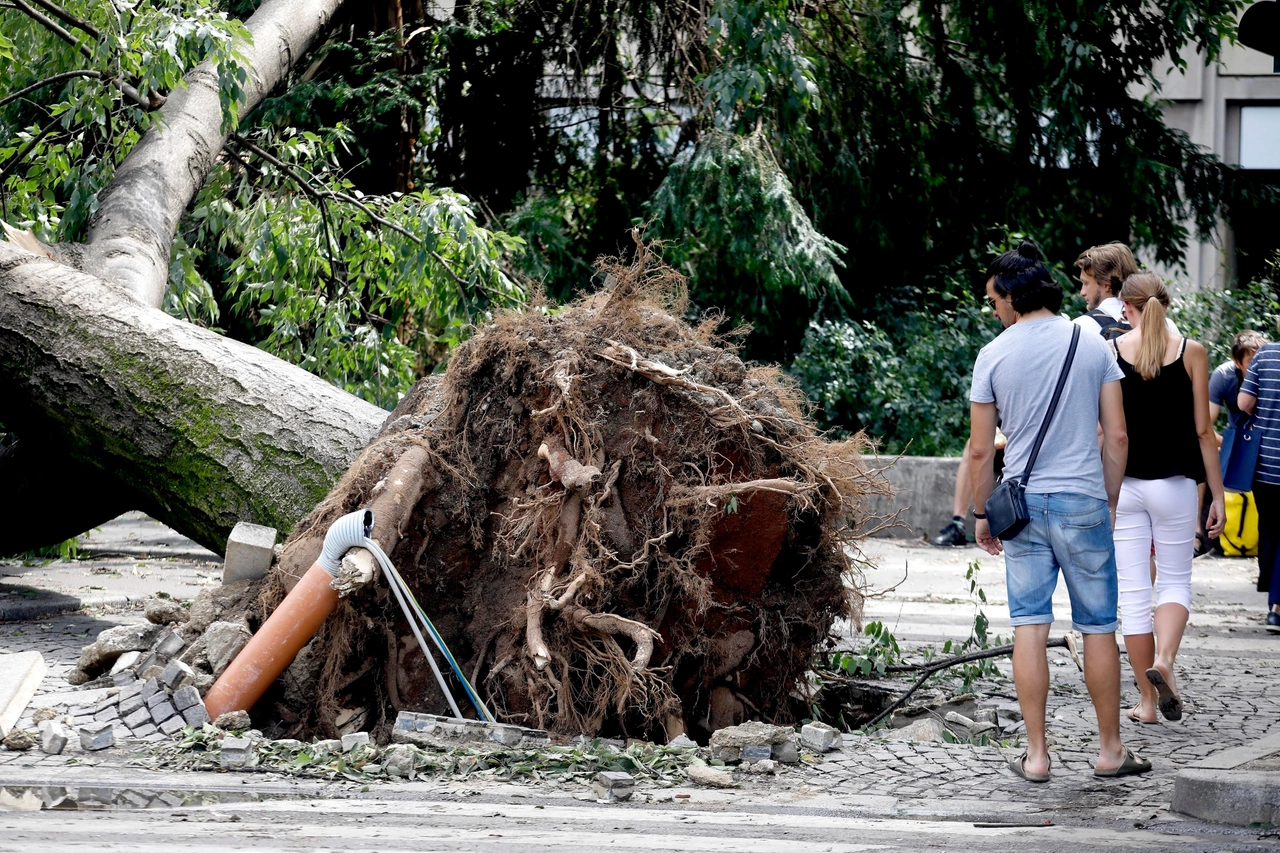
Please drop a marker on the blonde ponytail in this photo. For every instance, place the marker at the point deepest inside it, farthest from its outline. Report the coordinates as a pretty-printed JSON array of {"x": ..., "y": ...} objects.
[{"x": 1147, "y": 293}]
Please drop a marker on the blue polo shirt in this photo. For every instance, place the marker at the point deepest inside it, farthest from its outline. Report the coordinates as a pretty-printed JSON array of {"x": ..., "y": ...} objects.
[{"x": 1263, "y": 381}]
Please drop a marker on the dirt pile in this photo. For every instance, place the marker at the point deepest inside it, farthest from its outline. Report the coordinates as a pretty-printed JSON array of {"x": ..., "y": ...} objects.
[{"x": 616, "y": 525}]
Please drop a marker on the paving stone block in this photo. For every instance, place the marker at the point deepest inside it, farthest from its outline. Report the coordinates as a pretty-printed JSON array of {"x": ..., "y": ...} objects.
[
  {"x": 143, "y": 730},
  {"x": 53, "y": 737},
  {"x": 108, "y": 701},
  {"x": 175, "y": 674},
  {"x": 140, "y": 717},
  {"x": 173, "y": 725},
  {"x": 120, "y": 679},
  {"x": 756, "y": 752},
  {"x": 614, "y": 786},
  {"x": 130, "y": 704},
  {"x": 170, "y": 644},
  {"x": 108, "y": 715},
  {"x": 786, "y": 752},
  {"x": 95, "y": 736},
  {"x": 250, "y": 548},
  {"x": 237, "y": 753},
  {"x": 20, "y": 675},
  {"x": 820, "y": 737},
  {"x": 185, "y": 697},
  {"x": 149, "y": 688},
  {"x": 196, "y": 715},
  {"x": 727, "y": 754},
  {"x": 351, "y": 741},
  {"x": 157, "y": 698},
  {"x": 162, "y": 712}
]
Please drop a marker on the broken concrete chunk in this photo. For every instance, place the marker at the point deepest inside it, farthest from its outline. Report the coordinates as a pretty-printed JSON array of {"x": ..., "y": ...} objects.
[
  {"x": 223, "y": 641},
  {"x": 614, "y": 786},
  {"x": 236, "y": 721},
  {"x": 768, "y": 765},
  {"x": 925, "y": 730},
  {"x": 820, "y": 737},
  {"x": 326, "y": 747},
  {"x": 351, "y": 741},
  {"x": 125, "y": 661},
  {"x": 212, "y": 603},
  {"x": 752, "y": 733},
  {"x": 682, "y": 741},
  {"x": 19, "y": 740},
  {"x": 44, "y": 714},
  {"x": 987, "y": 715},
  {"x": 237, "y": 752},
  {"x": 164, "y": 611},
  {"x": 114, "y": 642},
  {"x": 701, "y": 774},
  {"x": 53, "y": 737},
  {"x": 20, "y": 675},
  {"x": 398, "y": 760},
  {"x": 175, "y": 674},
  {"x": 250, "y": 548},
  {"x": 95, "y": 736}
]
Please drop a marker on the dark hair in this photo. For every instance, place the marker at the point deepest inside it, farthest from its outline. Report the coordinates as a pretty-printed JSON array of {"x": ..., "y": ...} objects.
[{"x": 1021, "y": 274}]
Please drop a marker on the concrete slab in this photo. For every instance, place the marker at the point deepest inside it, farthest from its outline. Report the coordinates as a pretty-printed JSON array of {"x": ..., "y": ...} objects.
[
  {"x": 1231, "y": 759},
  {"x": 20, "y": 677}
]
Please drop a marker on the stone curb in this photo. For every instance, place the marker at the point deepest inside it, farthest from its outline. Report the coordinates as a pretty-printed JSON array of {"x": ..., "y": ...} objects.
[
  {"x": 1236, "y": 797},
  {"x": 27, "y": 611}
]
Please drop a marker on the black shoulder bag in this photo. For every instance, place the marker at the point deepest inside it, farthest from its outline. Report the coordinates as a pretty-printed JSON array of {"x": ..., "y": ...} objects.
[{"x": 1007, "y": 507}]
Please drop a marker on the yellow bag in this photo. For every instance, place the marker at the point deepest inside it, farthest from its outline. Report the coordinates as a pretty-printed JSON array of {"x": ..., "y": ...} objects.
[{"x": 1240, "y": 534}]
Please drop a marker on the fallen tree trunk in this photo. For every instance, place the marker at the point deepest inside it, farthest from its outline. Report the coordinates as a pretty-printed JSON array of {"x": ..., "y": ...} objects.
[{"x": 198, "y": 430}]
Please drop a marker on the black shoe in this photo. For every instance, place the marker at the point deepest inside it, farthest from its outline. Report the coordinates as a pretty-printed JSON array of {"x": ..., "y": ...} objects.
[
  {"x": 952, "y": 534},
  {"x": 1273, "y": 622}
]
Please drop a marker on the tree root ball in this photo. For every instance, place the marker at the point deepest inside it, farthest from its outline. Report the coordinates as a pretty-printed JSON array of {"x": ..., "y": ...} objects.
[{"x": 617, "y": 527}]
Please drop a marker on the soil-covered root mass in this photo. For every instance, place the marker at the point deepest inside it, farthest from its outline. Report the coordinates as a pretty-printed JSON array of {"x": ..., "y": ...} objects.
[{"x": 617, "y": 526}]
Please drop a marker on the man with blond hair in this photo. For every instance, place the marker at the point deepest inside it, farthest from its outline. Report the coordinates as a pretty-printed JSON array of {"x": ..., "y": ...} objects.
[{"x": 1103, "y": 270}]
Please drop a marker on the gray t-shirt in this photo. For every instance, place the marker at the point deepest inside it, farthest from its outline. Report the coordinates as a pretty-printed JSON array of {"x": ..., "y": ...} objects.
[{"x": 1018, "y": 372}]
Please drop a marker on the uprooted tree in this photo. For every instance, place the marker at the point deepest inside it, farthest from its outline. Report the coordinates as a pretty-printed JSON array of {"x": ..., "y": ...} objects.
[{"x": 616, "y": 524}]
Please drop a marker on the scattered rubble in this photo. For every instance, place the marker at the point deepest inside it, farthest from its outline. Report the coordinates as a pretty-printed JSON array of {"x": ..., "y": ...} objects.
[
  {"x": 614, "y": 786},
  {"x": 53, "y": 737},
  {"x": 701, "y": 774},
  {"x": 820, "y": 737},
  {"x": 19, "y": 740}
]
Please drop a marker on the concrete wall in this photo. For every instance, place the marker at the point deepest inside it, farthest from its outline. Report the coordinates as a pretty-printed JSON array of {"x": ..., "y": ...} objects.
[{"x": 924, "y": 487}]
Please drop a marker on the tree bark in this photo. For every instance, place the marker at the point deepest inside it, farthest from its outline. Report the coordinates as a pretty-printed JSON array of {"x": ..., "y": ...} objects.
[
  {"x": 198, "y": 430},
  {"x": 131, "y": 236}
]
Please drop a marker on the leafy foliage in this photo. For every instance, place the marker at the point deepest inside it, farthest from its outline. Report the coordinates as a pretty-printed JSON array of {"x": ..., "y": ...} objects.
[
  {"x": 908, "y": 384},
  {"x": 362, "y": 290},
  {"x": 1215, "y": 317},
  {"x": 872, "y": 657},
  {"x": 73, "y": 107},
  {"x": 747, "y": 245}
]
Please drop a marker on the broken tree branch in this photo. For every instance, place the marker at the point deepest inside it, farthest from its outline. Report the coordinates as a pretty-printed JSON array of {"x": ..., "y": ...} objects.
[{"x": 926, "y": 670}]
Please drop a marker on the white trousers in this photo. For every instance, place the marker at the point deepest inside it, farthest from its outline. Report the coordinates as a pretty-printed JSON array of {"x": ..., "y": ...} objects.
[{"x": 1163, "y": 511}]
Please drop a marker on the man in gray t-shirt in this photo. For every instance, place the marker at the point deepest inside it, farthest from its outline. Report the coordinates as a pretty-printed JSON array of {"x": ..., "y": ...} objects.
[{"x": 1071, "y": 495}]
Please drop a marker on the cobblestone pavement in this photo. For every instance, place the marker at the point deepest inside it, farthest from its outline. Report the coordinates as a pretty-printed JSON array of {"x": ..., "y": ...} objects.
[{"x": 1227, "y": 670}]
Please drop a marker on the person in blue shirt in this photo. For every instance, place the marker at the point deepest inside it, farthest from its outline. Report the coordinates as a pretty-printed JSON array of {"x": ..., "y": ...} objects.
[
  {"x": 1224, "y": 387},
  {"x": 1260, "y": 396}
]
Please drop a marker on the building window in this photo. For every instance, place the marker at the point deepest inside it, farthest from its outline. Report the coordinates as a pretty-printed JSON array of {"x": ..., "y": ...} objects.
[{"x": 1260, "y": 137}]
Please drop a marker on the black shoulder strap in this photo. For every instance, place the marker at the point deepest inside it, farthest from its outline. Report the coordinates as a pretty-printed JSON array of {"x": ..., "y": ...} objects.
[{"x": 1053, "y": 404}]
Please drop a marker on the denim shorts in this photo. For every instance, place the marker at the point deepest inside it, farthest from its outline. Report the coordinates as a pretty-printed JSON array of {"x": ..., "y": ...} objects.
[{"x": 1070, "y": 532}]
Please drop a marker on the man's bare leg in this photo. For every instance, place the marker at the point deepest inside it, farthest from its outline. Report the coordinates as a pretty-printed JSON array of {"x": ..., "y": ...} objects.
[
  {"x": 1031, "y": 681},
  {"x": 960, "y": 502},
  {"x": 1102, "y": 677}
]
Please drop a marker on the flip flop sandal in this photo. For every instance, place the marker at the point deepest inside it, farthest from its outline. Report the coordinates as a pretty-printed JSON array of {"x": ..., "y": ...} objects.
[
  {"x": 1170, "y": 703},
  {"x": 1138, "y": 719},
  {"x": 1018, "y": 766},
  {"x": 1131, "y": 766}
]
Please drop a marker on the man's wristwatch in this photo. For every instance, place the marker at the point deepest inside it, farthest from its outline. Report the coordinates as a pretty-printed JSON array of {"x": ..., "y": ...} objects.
[{"x": 981, "y": 515}]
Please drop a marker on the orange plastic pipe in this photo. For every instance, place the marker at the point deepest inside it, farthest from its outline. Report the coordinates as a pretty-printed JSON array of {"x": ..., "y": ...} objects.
[{"x": 277, "y": 643}]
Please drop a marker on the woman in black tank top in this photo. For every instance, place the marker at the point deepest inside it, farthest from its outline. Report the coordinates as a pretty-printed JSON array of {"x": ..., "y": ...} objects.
[{"x": 1172, "y": 447}]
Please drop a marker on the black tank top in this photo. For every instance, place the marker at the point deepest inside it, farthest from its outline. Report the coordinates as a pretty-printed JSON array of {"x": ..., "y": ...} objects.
[{"x": 1160, "y": 417}]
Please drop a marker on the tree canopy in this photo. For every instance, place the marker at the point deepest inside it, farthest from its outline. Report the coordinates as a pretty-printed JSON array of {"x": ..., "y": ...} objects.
[{"x": 821, "y": 170}]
